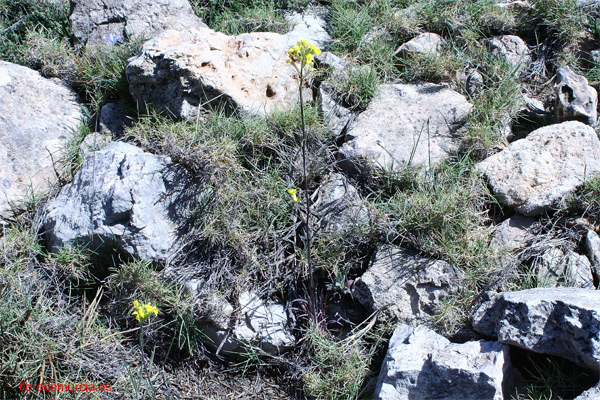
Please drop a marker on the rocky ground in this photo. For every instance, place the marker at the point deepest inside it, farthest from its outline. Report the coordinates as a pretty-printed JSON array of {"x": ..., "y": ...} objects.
[{"x": 153, "y": 151}]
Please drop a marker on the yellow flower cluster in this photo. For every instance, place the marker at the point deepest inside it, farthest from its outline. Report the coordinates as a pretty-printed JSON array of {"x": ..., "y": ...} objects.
[
  {"x": 295, "y": 197},
  {"x": 304, "y": 53},
  {"x": 143, "y": 311}
]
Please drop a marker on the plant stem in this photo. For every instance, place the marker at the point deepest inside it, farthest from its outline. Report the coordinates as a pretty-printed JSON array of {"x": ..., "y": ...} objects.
[
  {"x": 144, "y": 360},
  {"x": 311, "y": 288}
]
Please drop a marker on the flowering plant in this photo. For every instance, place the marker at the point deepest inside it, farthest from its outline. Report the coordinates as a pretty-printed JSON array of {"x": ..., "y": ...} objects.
[
  {"x": 302, "y": 55},
  {"x": 143, "y": 311}
]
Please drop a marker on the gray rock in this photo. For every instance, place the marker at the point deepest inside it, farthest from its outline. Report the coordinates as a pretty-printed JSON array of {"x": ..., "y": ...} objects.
[
  {"x": 407, "y": 124},
  {"x": 533, "y": 174},
  {"x": 337, "y": 117},
  {"x": 114, "y": 120},
  {"x": 592, "y": 393},
  {"x": 592, "y": 247},
  {"x": 94, "y": 21},
  {"x": 307, "y": 26},
  {"x": 425, "y": 43},
  {"x": 122, "y": 197},
  {"x": 93, "y": 142},
  {"x": 38, "y": 117},
  {"x": 558, "y": 268},
  {"x": 559, "y": 321},
  {"x": 421, "y": 364},
  {"x": 330, "y": 61},
  {"x": 513, "y": 233},
  {"x": 411, "y": 286},
  {"x": 472, "y": 80},
  {"x": 513, "y": 48},
  {"x": 339, "y": 207},
  {"x": 263, "y": 323},
  {"x": 256, "y": 323},
  {"x": 180, "y": 71},
  {"x": 575, "y": 99}
]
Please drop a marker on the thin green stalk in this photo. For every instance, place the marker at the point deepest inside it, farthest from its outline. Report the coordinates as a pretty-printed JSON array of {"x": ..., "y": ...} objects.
[
  {"x": 145, "y": 365},
  {"x": 311, "y": 289}
]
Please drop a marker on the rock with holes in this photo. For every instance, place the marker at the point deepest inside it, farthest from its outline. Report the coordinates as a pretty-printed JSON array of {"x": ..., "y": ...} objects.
[
  {"x": 425, "y": 43},
  {"x": 420, "y": 364},
  {"x": 411, "y": 287},
  {"x": 575, "y": 98},
  {"x": 179, "y": 72},
  {"x": 559, "y": 321},
  {"x": 556, "y": 267},
  {"x": 38, "y": 117},
  {"x": 417, "y": 124},
  {"x": 339, "y": 208},
  {"x": 122, "y": 198},
  {"x": 513, "y": 48},
  {"x": 110, "y": 21},
  {"x": 533, "y": 174}
]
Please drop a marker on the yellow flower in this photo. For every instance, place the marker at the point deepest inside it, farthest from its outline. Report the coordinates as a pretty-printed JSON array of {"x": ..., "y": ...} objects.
[
  {"x": 304, "y": 53},
  {"x": 295, "y": 197},
  {"x": 143, "y": 311}
]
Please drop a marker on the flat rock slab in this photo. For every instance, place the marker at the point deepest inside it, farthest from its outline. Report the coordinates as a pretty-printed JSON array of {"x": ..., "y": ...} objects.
[
  {"x": 533, "y": 174},
  {"x": 104, "y": 21},
  {"x": 38, "y": 116},
  {"x": 125, "y": 198},
  {"x": 408, "y": 123},
  {"x": 420, "y": 364},
  {"x": 411, "y": 286},
  {"x": 563, "y": 322},
  {"x": 179, "y": 72}
]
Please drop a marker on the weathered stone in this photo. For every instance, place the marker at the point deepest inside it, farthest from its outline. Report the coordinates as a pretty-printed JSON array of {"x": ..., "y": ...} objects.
[
  {"x": 93, "y": 142},
  {"x": 513, "y": 48},
  {"x": 337, "y": 117},
  {"x": 122, "y": 197},
  {"x": 559, "y": 321},
  {"x": 557, "y": 268},
  {"x": 575, "y": 99},
  {"x": 407, "y": 124},
  {"x": 513, "y": 233},
  {"x": 330, "y": 61},
  {"x": 534, "y": 174},
  {"x": 472, "y": 80},
  {"x": 339, "y": 207},
  {"x": 104, "y": 21},
  {"x": 592, "y": 393},
  {"x": 421, "y": 364},
  {"x": 38, "y": 116},
  {"x": 180, "y": 71},
  {"x": 307, "y": 26},
  {"x": 425, "y": 43},
  {"x": 114, "y": 120},
  {"x": 592, "y": 247},
  {"x": 256, "y": 323},
  {"x": 411, "y": 287}
]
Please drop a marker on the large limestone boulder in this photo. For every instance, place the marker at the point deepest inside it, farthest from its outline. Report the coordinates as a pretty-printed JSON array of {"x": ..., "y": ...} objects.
[
  {"x": 561, "y": 321},
  {"x": 410, "y": 286},
  {"x": 575, "y": 98},
  {"x": 533, "y": 174},
  {"x": 38, "y": 116},
  {"x": 421, "y": 364},
  {"x": 125, "y": 198},
  {"x": 103, "y": 21},
  {"x": 407, "y": 123},
  {"x": 181, "y": 71}
]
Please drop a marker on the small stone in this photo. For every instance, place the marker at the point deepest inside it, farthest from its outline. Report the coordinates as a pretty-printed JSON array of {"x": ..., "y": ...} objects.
[{"x": 575, "y": 98}]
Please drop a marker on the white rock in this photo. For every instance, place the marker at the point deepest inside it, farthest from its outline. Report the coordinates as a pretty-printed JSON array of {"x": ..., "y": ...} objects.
[
  {"x": 425, "y": 43},
  {"x": 38, "y": 117},
  {"x": 575, "y": 99},
  {"x": 534, "y": 174},
  {"x": 407, "y": 123}
]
